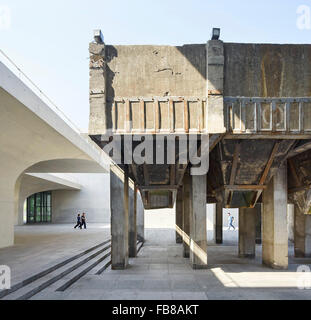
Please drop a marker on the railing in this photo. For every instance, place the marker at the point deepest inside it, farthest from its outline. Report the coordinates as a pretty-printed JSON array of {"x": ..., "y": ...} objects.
[
  {"x": 29, "y": 83},
  {"x": 158, "y": 115},
  {"x": 268, "y": 115}
]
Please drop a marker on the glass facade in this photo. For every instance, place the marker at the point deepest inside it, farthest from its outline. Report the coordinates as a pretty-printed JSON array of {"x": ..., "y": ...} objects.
[{"x": 39, "y": 208}]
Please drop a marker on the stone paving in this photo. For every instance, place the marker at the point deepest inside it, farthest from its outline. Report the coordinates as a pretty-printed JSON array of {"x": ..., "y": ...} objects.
[
  {"x": 38, "y": 247},
  {"x": 159, "y": 272}
]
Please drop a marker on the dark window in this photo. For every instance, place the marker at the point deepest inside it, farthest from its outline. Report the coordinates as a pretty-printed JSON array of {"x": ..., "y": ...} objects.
[{"x": 39, "y": 208}]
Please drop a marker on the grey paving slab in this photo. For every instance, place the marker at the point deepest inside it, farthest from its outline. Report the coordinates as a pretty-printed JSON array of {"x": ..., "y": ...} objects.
[{"x": 159, "y": 273}]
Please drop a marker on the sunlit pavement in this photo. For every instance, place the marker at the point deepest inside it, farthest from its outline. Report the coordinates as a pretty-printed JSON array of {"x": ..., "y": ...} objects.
[{"x": 159, "y": 272}]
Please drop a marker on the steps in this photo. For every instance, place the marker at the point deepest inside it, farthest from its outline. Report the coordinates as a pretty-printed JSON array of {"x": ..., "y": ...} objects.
[
  {"x": 61, "y": 276},
  {"x": 35, "y": 284}
]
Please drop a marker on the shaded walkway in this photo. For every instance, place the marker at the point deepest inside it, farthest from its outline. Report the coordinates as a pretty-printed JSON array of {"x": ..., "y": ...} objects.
[{"x": 161, "y": 273}]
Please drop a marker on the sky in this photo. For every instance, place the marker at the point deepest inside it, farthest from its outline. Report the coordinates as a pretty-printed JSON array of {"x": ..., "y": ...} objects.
[{"x": 49, "y": 39}]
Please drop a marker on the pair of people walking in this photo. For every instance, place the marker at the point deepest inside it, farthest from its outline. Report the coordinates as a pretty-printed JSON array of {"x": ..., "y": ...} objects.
[{"x": 81, "y": 221}]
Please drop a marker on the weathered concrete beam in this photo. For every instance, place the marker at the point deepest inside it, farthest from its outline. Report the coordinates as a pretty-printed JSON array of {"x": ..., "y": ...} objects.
[
  {"x": 98, "y": 92},
  {"x": 215, "y": 87}
]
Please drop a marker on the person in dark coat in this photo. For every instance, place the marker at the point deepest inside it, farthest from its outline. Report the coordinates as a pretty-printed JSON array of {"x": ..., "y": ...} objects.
[
  {"x": 78, "y": 222},
  {"x": 83, "y": 221}
]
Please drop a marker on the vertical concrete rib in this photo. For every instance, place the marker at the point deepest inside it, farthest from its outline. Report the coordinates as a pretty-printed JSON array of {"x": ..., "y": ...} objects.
[
  {"x": 274, "y": 232},
  {"x": 247, "y": 232},
  {"x": 132, "y": 220},
  {"x": 218, "y": 227},
  {"x": 179, "y": 215},
  {"x": 140, "y": 218},
  {"x": 186, "y": 215},
  {"x": 302, "y": 233},
  {"x": 119, "y": 202},
  {"x": 198, "y": 235}
]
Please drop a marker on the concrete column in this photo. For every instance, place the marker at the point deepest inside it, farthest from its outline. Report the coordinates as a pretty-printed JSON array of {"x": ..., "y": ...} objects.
[
  {"x": 274, "y": 228},
  {"x": 219, "y": 223},
  {"x": 247, "y": 232},
  {"x": 100, "y": 119},
  {"x": 186, "y": 215},
  {"x": 215, "y": 86},
  {"x": 198, "y": 236},
  {"x": 302, "y": 233},
  {"x": 132, "y": 220},
  {"x": 258, "y": 223},
  {"x": 140, "y": 219},
  {"x": 119, "y": 202},
  {"x": 210, "y": 222},
  {"x": 290, "y": 221},
  {"x": 179, "y": 215}
]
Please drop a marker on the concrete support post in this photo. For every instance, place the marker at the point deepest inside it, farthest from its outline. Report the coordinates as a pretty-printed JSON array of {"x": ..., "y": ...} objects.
[
  {"x": 119, "y": 202},
  {"x": 132, "y": 220},
  {"x": 179, "y": 215},
  {"x": 186, "y": 215},
  {"x": 198, "y": 236},
  {"x": 291, "y": 221},
  {"x": 140, "y": 219},
  {"x": 215, "y": 86},
  {"x": 247, "y": 232},
  {"x": 258, "y": 223},
  {"x": 274, "y": 231},
  {"x": 302, "y": 233},
  {"x": 99, "y": 119},
  {"x": 218, "y": 227}
]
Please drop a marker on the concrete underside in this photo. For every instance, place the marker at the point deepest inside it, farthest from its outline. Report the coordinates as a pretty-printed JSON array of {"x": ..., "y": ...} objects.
[{"x": 159, "y": 273}]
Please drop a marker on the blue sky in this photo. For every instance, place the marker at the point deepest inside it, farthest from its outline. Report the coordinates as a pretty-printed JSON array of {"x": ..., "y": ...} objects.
[{"x": 49, "y": 39}]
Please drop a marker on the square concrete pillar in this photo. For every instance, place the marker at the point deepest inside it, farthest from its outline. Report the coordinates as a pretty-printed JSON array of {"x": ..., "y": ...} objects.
[
  {"x": 302, "y": 233},
  {"x": 247, "y": 232},
  {"x": 179, "y": 215},
  {"x": 119, "y": 202},
  {"x": 258, "y": 223},
  {"x": 218, "y": 227},
  {"x": 186, "y": 215},
  {"x": 274, "y": 220},
  {"x": 140, "y": 218},
  {"x": 132, "y": 220},
  {"x": 198, "y": 236}
]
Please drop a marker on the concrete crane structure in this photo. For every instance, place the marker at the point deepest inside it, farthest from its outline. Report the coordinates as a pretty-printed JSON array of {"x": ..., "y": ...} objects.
[{"x": 246, "y": 106}]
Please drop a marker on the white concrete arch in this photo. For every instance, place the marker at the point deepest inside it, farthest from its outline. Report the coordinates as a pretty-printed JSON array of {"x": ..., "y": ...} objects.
[
  {"x": 32, "y": 133},
  {"x": 34, "y": 183}
]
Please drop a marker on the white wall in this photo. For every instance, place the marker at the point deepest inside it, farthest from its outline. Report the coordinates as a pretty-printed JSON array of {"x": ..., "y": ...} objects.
[{"x": 93, "y": 199}]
